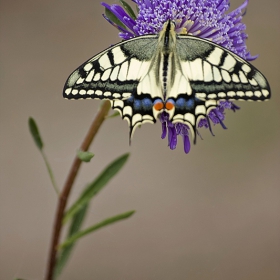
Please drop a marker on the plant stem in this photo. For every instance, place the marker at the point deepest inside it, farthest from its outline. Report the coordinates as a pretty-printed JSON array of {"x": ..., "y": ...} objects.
[
  {"x": 50, "y": 172},
  {"x": 62, "y": 202}
]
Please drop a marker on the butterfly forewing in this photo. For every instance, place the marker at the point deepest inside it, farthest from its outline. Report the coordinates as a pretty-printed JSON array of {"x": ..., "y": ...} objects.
[{"x": 216, "y": 73}]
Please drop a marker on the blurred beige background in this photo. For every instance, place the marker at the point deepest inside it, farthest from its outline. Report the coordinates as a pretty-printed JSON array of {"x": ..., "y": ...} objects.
[{"x": 211, "y": 214}]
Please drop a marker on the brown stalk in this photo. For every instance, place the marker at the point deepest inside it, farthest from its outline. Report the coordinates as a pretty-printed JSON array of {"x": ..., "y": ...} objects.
[{"x": 62, "y": 202}]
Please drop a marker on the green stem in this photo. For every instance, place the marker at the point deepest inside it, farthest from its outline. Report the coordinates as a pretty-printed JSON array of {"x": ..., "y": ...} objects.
[
  {"x": 63, "y": 198},
  {"x": 50, "y": 172}
]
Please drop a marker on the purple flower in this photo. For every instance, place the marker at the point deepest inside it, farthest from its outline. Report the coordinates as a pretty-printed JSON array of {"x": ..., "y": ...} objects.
[{"x": 202, "y": 18}]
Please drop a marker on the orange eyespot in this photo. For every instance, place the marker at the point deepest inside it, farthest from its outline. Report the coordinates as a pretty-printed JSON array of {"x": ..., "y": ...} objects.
[
  {"x": 159, "y": 106},
  {"x": 169, "y": 105}
]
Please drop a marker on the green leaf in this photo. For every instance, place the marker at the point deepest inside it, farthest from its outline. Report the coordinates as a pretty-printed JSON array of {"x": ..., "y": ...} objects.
[
  {"x": 75, "y": 226},
  {"x": 95, "y": 186},
  {"x": 104, "y": 223},
  {"x": 35, "y": 133},
  {"x": 85, "y": 156},
  {"x": 114, "y": 18},
  {"x": 39, "y": 143},
  {"x": 128, "y": 9},
  {"x": 115, "y": 114}
]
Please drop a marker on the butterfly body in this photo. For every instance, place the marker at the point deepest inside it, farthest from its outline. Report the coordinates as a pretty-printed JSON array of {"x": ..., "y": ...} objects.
[{"x": 181, "y": 75}]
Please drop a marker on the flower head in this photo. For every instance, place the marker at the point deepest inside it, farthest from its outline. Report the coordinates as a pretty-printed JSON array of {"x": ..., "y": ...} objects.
[{"x": 207, "y": 19}]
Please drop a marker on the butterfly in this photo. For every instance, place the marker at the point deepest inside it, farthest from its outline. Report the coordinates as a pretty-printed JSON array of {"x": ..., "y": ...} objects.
[{"x": 182, "y": 75}]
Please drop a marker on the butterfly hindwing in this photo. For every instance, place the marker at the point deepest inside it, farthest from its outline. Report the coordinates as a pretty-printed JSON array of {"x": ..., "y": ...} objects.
[{"x": 135, "y": 110}]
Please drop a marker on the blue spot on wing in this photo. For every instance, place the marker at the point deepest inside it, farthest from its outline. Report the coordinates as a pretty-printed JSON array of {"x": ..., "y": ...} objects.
[
  {"x": 190, "y": 104},
  {"x": 147, "y": 104},
  {"x": 182, "y": 103},
  {"x": 137, "y": 104}
]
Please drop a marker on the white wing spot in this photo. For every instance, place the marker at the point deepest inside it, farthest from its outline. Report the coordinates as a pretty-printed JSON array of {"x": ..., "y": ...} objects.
[
  {"x": 246, "y": 68},
  {"x": 215, "y": 56},
  {"x": 127, "y": 110},
  {"x": 188, "y": 69},
  {"x": 229, "y": 62},
  {"x": 226, "y": 76},
  {"x": 68, "y": 91},
  {"x": 217, "y": 75},
  {"x": 106, "y": 75},
  {"x": 116, "y": 95},
  {"x": 265, "y": 92},
  {"x": 107, "y": 93},
  {"x": 253, "y": 82},
  {"x": 190, "y": 118},
  {"x": 222, "y": 95},
  {"x": 212, "y": 96},
  {"x": 90, "y": 76},
  {"x": 231, "y": 94},
  {"x": 178, "y": 117},
  {"x": 74, "y": 91},
  {"x": 119, "y": 56},
  {"x": 235, "y": 78},
  {"x": 80, "y": 81},
  {"x": 200, "y": 109},
  {"x": 148, "y": 118},
  {"x": 82, "y": 92},
  {"x": 104, "y": 61},
  {"x": 249, "y": 93},
  {"x": 240, "y": 93},
  {"x": 118, "y": 103},
  {"x": 207, "y": 71},
  {"x": 197, "y": 69},
  {"x": 242, "y": 77},
  {"x": 123, "y": 71},
  {"x": 133, "y": 65},
  {"x": 115, "y": 73},
  {"x": 90, "y": 92},
  {"x": 200, "y": 95},
  {"x": 258, "y": 93},
  {"x": 210, "y": 103},
  {"x": 96, "y": 77},
  {"x": 126, "y": 94},
  {"x": 88, "y": 67},
  {"x": 136, "y": 118},
  {"x": 98, "y": 92}
]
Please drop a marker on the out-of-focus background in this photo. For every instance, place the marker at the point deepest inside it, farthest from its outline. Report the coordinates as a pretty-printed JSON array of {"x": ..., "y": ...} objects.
[{"x": 211, "y": 214}]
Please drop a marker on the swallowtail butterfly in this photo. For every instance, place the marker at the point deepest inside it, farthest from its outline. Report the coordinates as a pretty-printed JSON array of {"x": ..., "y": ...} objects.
[{"x": 182, "y": 75}]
